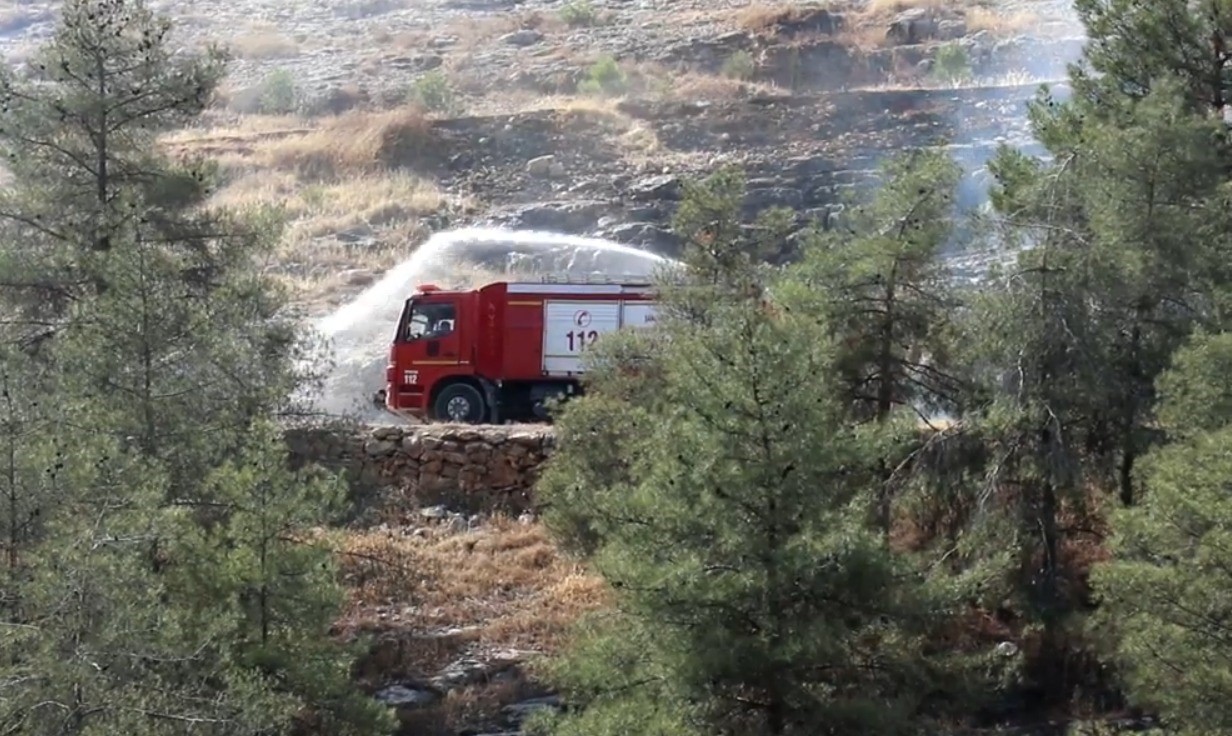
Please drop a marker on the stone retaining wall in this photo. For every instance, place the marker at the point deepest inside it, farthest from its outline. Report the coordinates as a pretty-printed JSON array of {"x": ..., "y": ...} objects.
[{"x": 467, "y": 468}]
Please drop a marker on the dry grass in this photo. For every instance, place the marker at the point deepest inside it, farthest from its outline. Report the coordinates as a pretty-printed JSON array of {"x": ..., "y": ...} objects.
[
  {"x": 764, "y": 16},
  {"x": 505, "y": 579},
  {"x": 349, "y": 144},
  {"x": 978, "y": 14},
  {"x": 263, "y": 44},
  {"x": 758, "y": 17},
  {"x": 998, "y": 23},
  {"x": 232, "y": 142},
  {"x": 473, "y": 32},
  {"x": 882, "y": 8},
  {"x": 388, "y": 39},
  {"x": 864, "y": 36},
  {"x": 636, "y": 137},
  {"x": 353, "y": 143},
  {"x": 331, "y": 176},
  {"x": 609, "y": 106},
  {"x": 433, "y": 596},
  {"x": 317, "y": 209},
  {"x": 712, "y": 88},
  {"x": 382, "y": 209},
  {"x": 867, "y": 29},
  {"x": 867, "y": 26}
]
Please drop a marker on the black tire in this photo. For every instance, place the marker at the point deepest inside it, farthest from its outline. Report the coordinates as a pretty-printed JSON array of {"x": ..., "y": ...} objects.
[{"x": 460, "y": 403}]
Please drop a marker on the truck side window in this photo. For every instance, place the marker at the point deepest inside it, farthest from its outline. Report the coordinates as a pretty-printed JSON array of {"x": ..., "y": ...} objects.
[{"x": 430, "y": 321}]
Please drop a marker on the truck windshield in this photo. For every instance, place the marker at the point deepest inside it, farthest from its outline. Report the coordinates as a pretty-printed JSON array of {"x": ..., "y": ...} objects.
[{"x": 428, "y": 321}]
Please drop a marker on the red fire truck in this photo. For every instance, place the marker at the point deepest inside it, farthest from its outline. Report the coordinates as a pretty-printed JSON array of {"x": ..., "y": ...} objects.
[{"x": 497, "y": 353}]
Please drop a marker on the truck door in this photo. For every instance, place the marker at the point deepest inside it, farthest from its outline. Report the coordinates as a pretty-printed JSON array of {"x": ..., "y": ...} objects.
[{"x": 433, "y": 328}]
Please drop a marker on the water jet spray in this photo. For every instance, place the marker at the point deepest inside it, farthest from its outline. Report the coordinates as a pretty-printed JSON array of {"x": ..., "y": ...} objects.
[{"x": 359, "y": 331}]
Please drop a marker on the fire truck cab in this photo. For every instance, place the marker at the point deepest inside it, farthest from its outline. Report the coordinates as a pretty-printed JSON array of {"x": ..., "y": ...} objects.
[{"x": 499, "y": 352}]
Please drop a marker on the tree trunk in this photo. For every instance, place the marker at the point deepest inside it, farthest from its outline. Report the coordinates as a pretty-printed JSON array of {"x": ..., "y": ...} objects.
[{"x": 1126, "y": 480}]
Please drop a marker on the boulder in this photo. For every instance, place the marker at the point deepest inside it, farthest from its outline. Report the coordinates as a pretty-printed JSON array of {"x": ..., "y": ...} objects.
[
  {"x": 914, "y": 25},
  {"x": 545, "y": 166},
  {"x": 523, "y": 37}
]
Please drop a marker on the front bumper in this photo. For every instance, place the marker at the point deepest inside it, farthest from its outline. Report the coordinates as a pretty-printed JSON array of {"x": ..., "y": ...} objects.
[{"x": 380, "y": 399}]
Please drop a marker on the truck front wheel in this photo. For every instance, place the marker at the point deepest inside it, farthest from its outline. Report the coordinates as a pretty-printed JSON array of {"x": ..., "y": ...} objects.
[{"x": 461, "y": 403}]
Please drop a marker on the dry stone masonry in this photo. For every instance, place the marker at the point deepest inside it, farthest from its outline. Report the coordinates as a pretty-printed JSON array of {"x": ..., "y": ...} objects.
[{"x": 464, "y": 467}]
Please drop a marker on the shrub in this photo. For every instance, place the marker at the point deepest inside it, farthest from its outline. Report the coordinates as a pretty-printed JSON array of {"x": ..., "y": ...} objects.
[
  {"x": 579, "y": 13},
  {"x": 434, "y": 92},
  {"x": 278, "y": 93},
  {"x": 604, "y": 77},
  {"x": 739, "y": 65},
  {"x": 951, "y": 63}
]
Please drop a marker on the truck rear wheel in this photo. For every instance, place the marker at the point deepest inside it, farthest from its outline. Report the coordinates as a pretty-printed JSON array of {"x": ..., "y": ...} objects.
[{"x": 459, "y": 402}]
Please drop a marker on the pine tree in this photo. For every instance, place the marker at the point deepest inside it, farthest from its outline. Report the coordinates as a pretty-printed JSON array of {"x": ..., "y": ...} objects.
[
  {"x": 1143, "y": 205},
  {"x": 1158, "y": 253},
  {"x": 1119, "y": 262},
  {"x": 268, "y": 584},
  {"x": 81, "y": 140},
  {"x": 1164, "y": 594},
  {"x": 1132, "y": 46},
  {"x": 96, "y": 649},
  {"x": 720, "y": 503},
  {"x": 28, "y": 491},
  {"x": 1143, "y": 153},
  {"x": 884, "y": 286},
  {"x": 1126, "y": 226},
  {"x": 178, "y": 373},
  {"x": 171, "y": 352},
  {"x": 1035, "y": 350},
  {"x": 81, "y": 130}
]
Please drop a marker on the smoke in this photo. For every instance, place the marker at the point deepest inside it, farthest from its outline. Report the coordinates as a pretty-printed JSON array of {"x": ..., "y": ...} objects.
[{"x": 1011, "y": 75}]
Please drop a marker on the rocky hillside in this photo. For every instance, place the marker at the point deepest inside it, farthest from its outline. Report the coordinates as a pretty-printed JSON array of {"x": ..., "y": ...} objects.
[{"x": 380, "y": 121}]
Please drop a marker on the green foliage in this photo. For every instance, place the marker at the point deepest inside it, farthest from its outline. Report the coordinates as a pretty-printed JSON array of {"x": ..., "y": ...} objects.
[
  {"x": 1195, "y": 394},
  {"x": 92, "y": 630},
  {"x": 161, "y": 355},
  {"x": 52, "y": 136},
  {"x": 580, "y": 14},
  {"x": 1134, "y": 211},
  {"x": 751, "y": 593},
  {"x": 1062, "y": 349},
  {"x": 1067, "y": 372},
  {"x": 604, "y": 77},
  {"x": 730, "y": 473},
  {"x": 278, "y": 93},
  {"x": 26, "y": 454},
  {"x": 1164, "y": 595},
  {"x": 261, "y": 560},
  {"x": 719, "y": 250},
  {"x": 951, "y": 63},
  {"x": 1133, "y": 46},
  {"x": 740, "y": 65},
  {"x": 884, "y": 286},
  {"x": 434, "y": 92}
]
